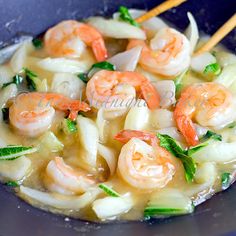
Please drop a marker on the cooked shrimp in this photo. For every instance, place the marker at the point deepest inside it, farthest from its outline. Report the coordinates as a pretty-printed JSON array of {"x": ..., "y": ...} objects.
[
  {"x": 63, "y": 179},
  {"x": 32, "y": 113},
  {"x": 107, "y": 87},
  {"x": 68, "y": 37},
  {"x": 167, "y": 55},
  {"x": 209, "y": 104},
  {"x": 141, "y": 165}
]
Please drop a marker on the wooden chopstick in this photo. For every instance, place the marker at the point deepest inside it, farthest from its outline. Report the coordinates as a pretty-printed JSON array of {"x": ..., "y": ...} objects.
[
  {"x": 218, "y": 35},
  {"x": 159, "y": 9}
]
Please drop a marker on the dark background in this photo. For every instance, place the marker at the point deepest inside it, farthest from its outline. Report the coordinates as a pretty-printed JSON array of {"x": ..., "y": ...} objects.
[{"x": 215, "y": 217}]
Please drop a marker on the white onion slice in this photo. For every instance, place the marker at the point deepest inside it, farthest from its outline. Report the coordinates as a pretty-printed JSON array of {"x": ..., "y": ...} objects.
[
  {"x": 101, "y": 123},
  {"x": 172, "y": 132},
  {"x": 6, "y": 74},
  {"x": 161, "y": 118},
  {"x": 128, "y": 60},
  {"x": 116, "y": 29},
  {"x": 60, "y": 201},
  {"x": 109, "y": 155},
  {"x": 8, "y": 92},
  {"x": 192, "y": 32},
  {"x": 63, "y": 65}
]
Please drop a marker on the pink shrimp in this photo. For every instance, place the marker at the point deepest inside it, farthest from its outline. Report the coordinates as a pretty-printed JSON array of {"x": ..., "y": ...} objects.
[
  {"x": 32, "y": 113},
  {"x": 167, "y": 55},
  {"x": 141, "y": 165},
  {"x": 108, "y": 86},
  {"x": 209, "y": 104},
  {"x": 65, "y": 38}
]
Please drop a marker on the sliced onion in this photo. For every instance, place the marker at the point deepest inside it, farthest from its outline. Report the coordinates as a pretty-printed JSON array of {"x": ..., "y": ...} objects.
[
  {"x": 166, "y": 90},
  {"x": 137, "y": 117},
  {"x": 101, "y": 123},
  {"x": 192, "y": 32},
  {"x": 111, "y": 207},
  {"x": 116, "y": 29},
  {"x": 206, "y": 173},
  {"x": 60, "y": 201},
  {"x": 68, "y": 85},
  {"x": 15, "y": 170},
  {"x": 172, "y": 132},
  {"x": 89, "y": 137},
  {"x": 8, "y": 92},
  {"x": 110, "y": 156},
  {"x": 199, "y": 62},
  {"x": 128, "y": 60},
  {"x": 161, "y": 118},
  {"x": 18, "y": 61},
  {"x": 6, "y": 74},
  {"x": 225, "y": 58},
  {"x": 63, "y": 65},
  {"x": 200, "y": 130}
]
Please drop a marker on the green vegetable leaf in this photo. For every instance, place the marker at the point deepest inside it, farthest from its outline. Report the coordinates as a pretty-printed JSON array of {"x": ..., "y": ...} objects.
[
  {"x": 154, "y": 211},
  {"x": 125, "y": 16},
  {"x": 196, "y": 148},
  {"x": 109, "y": 191},
  {"x": 225, "y": 180},
  {"x": 173, "y": 147},
  {"x": 17, "y": 79},
  {"x": 38, "y": 43},
  {"x": 211, "y": 135},
  {"x": 84, "y": 77},
  {"x": 14, "y": 152},
  {"x": 231, "y": 125},
  {"x": 179, "y": 82},
  {"x": 12, "y": 184},
  {"x": 70, "y": 125},
  {"x": 5, "y": 114},
  {"x": 103, "y": 65},
  {"x": 213, "y": 68},
  {"x": 30, "y": 77}
]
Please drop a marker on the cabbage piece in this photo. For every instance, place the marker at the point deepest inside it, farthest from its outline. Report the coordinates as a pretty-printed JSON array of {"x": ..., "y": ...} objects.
[
  {"x": 128, "y": 60},
  {"x": 7, "y": 93},
  {"x": 192, "y": 32},
  {"x": 112, "y": 207},
  {"x": 15, "y": 170},
  {"x": 6, "y": 74},
  {"x": 60, "y": 201},
  {"x": 161, "y": 118},
  {"x": 206, "y": 173},
  {"x": 137, "y": 117},
  {"x": 89, "y": 137},
  {"x": 67, "y": 84},
  {"x": 18, "y": 61},
  {"x": 63, "y": 65},
  {"x": 218, "y": 152},
  {"x": 116, "y": 29},
  {"x": 110, "y": 157},
  {"x": 225, "y": 58}
]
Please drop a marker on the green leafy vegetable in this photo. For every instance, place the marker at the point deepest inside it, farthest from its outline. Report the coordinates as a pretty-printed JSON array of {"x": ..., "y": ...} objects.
[
  {"x": 109, "y": 191},
  {"x": 213, "y": 68},
  {"x": 14, "y": 152},
  {"x": 179, "y": 82},
  {"x": 104, "y": 65},
  {"x": 211, "y": 135},
  {"x": 154, "y": 211},
  {"x": 5, "y": 114},
  {"x": 31, "y": 78},
  {"x": 125, "y": 16},
  {"x": 196, "y": 148},
  {"x": 173, "y": 147},
  {"x": 225, "y": 180},
  {"x": 13, "y": 184},
  {"x": 232, "y": 125},
  {"x": 70, "y": 125},
  {"x": 38, "y": 43},
  {"x": 17, "y": 79}
]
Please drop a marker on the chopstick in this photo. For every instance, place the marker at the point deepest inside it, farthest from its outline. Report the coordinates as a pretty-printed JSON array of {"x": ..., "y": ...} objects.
[
  {"x": 159, "y": 9},
  {"x": 218, "y": 35}
]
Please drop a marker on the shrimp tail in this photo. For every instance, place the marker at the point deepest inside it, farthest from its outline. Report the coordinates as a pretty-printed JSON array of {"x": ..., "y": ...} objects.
[
  {"x": 125, "y": 135},
  {"x": 99, "y": 50},
  {"x": 187, "y": 129}
]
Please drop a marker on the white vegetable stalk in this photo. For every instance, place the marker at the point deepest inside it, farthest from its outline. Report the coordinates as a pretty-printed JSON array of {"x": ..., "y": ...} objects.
[
  {"x": 137, "y": 117},
  {"x": 192, "y": 32},
  {"x": 60, "y": 201},
  {"x": 18, "y": 60},
  {"x": 110, "y": 157},
  {"x": 89, "y": 137},
  {"x": 218, "y": 152},
  {"x": 7, "y": 93},
  {"x": 112, "y": 207},
  {"x": 68, "y": 84},
  {"x": 166, "y": 90},
  {"x": 63, "y": 65},
  {"x": 225, "y": 58},
  {"x": 172, "y": 132},
  {"x": 161, "y": 118},
  {"x": 6, "y": 74},
  {"x": 199, "y": 62},
  {"x": 116, "y": 29},
  {"x": 15, "y": 170},
  {"x": 128, "y": 60},
  {"x": 101, "y": 123}
]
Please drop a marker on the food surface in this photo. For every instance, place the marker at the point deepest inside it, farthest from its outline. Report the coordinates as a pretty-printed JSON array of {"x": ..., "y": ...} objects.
[{"x": 114, "y": 120}]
